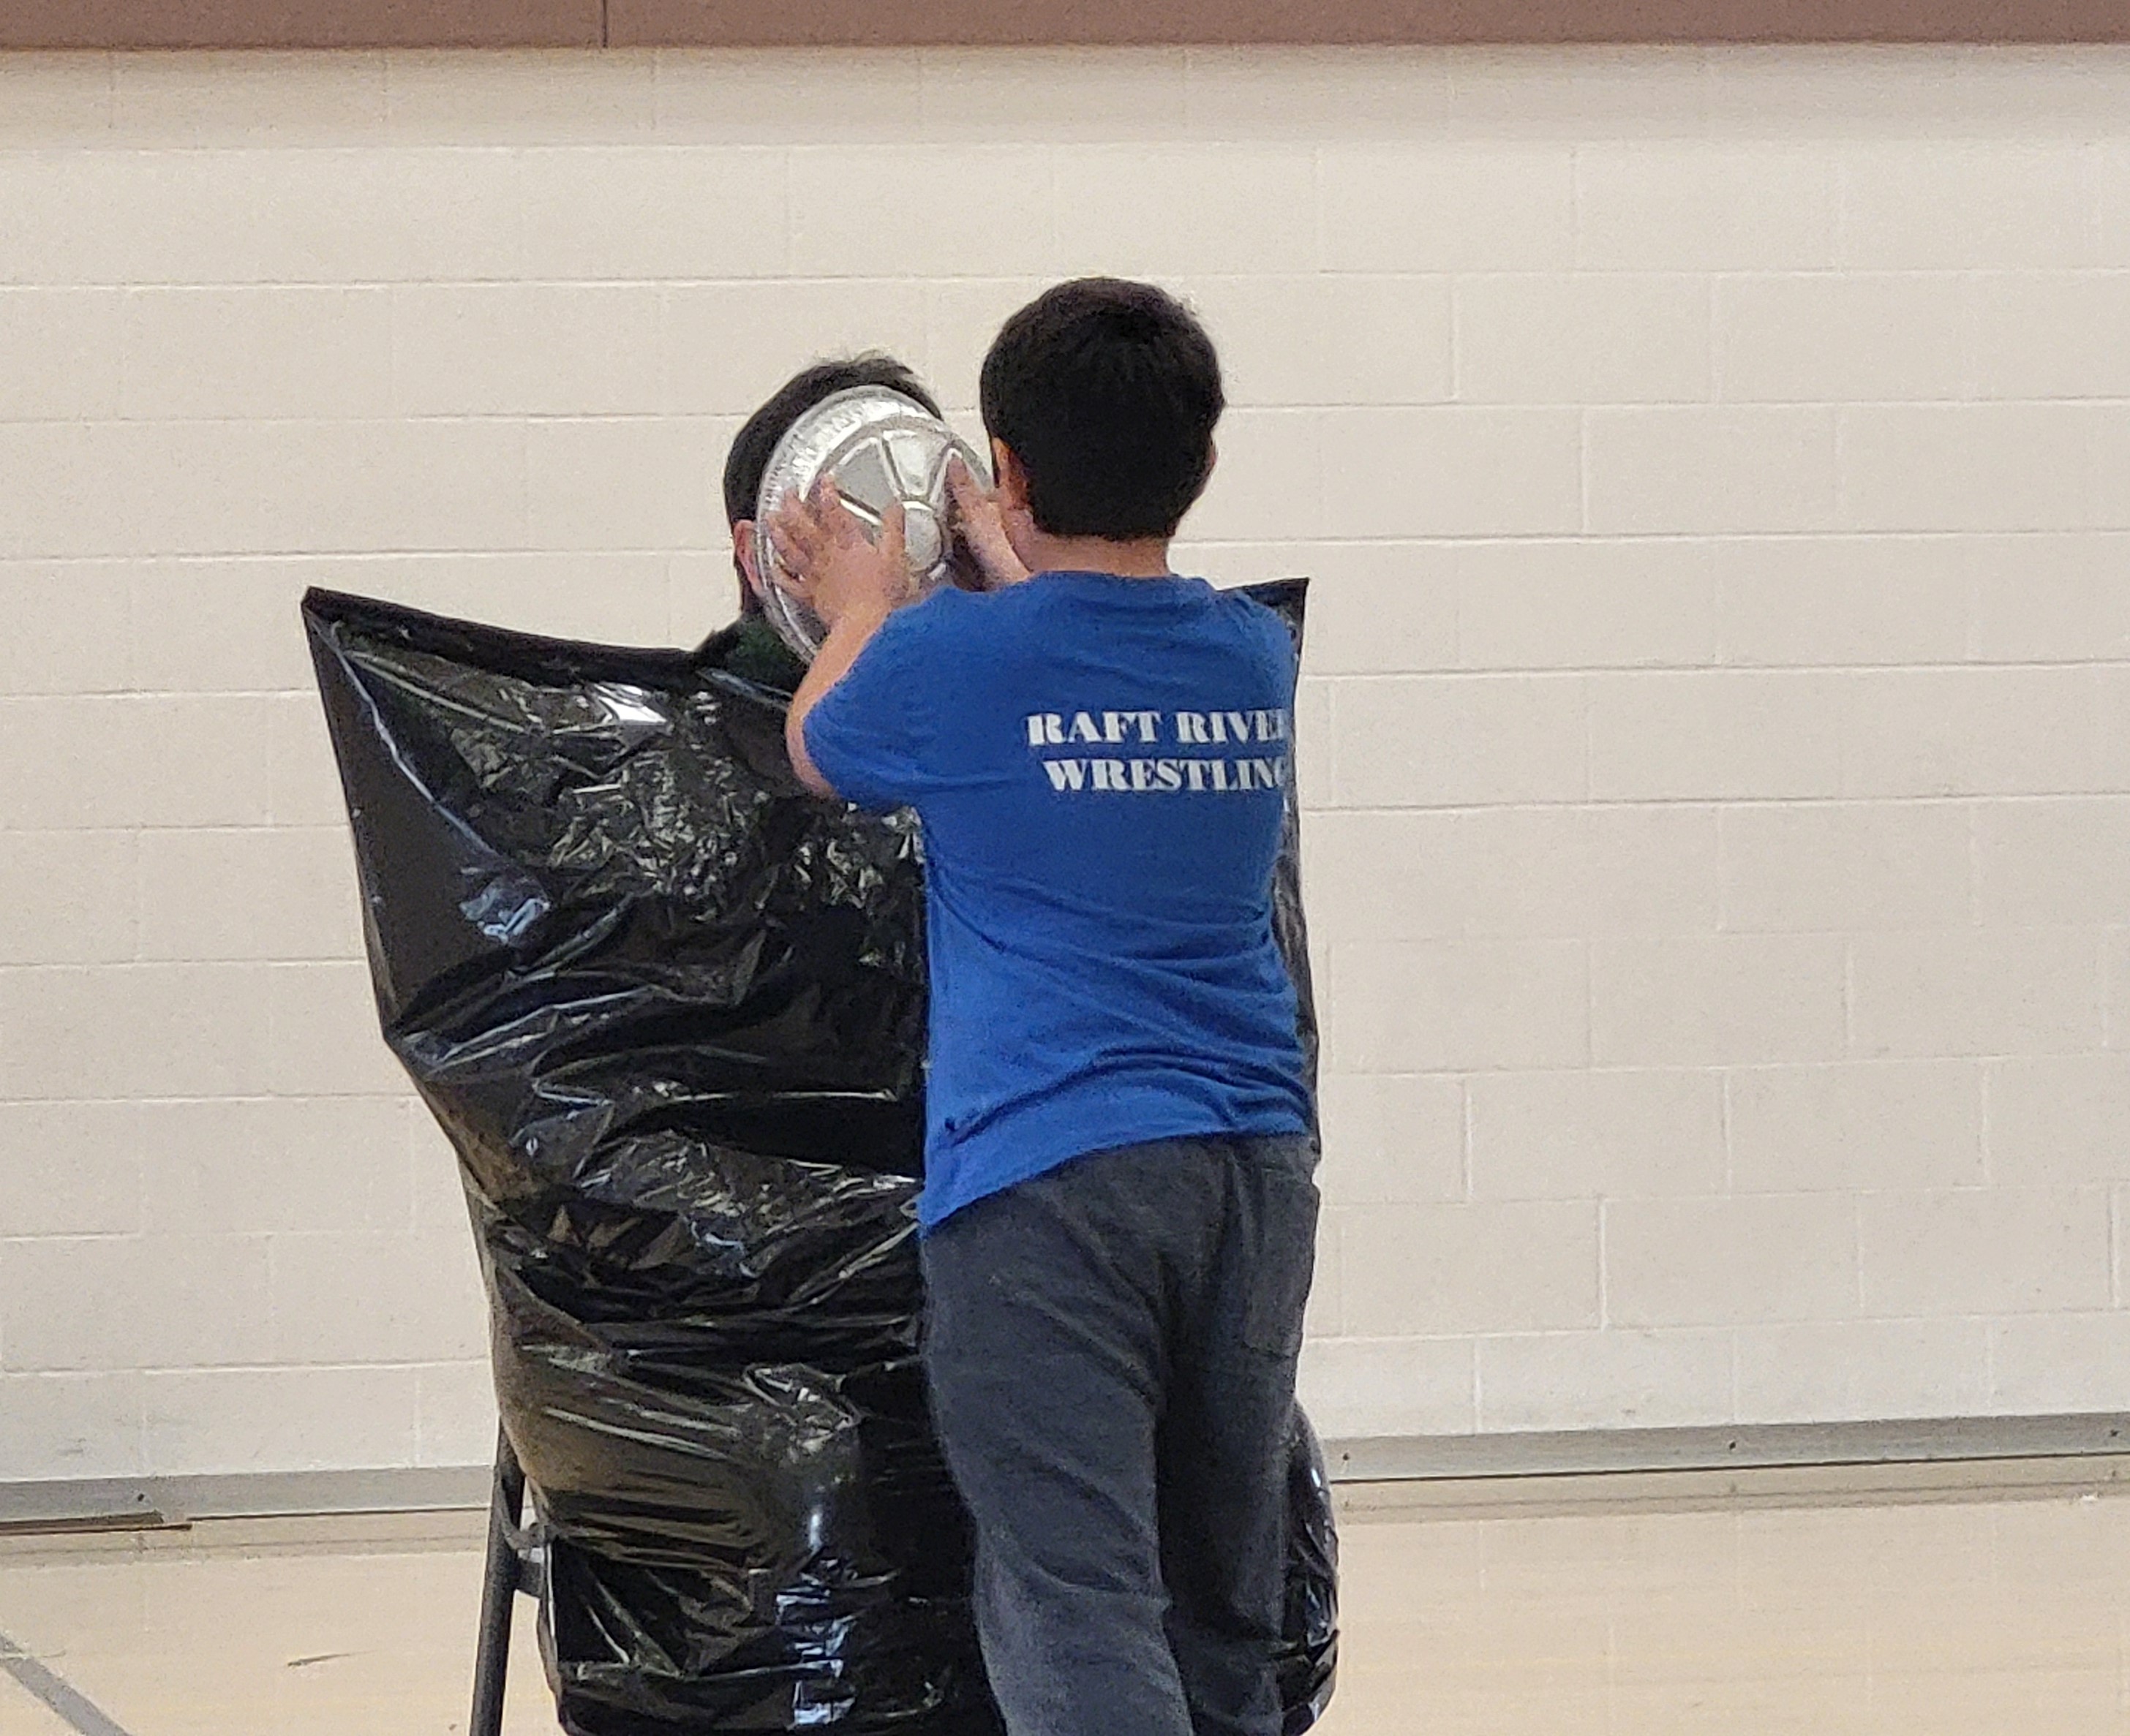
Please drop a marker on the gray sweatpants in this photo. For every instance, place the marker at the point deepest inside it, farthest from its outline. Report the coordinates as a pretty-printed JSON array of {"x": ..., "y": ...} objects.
[{"x": 1111, "y": 1352}]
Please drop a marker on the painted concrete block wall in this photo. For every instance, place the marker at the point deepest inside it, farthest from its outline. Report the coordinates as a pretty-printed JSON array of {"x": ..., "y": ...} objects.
[{"x": 1716, "y": 469}]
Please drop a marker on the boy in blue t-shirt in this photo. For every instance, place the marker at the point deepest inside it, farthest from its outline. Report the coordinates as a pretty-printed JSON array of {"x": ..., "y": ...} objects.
[{"x": 1119, "y": 1212}]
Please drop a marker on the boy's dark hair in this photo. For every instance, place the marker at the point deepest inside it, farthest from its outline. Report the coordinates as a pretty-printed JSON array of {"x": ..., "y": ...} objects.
[
  {"x": 1107, "y": 391},
  {"x": 757, "y": 438}
]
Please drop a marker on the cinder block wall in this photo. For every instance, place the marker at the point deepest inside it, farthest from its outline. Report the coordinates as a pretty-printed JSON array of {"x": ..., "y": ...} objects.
[{"x": 1717, "y": 727}]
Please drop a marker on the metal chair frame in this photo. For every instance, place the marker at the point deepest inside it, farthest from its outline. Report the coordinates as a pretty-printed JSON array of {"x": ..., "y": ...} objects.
[{"x": 516, "y": 1564}]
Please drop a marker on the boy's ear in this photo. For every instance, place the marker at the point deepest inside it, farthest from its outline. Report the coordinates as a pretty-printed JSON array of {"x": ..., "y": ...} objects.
[
  {"x": 746, "y": 557},
  {"x": 1212, "y": 464},
  {"x": 1012, "y": 479}
]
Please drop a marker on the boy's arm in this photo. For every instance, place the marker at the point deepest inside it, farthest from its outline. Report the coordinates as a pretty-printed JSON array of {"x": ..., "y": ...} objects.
[
  {"x": 848, "y": 635},
  {"x": 853, "y": 585}
]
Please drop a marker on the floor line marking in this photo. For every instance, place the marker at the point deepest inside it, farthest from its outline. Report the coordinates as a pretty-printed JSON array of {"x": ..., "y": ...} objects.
[{"x": 59, "y": 1695}]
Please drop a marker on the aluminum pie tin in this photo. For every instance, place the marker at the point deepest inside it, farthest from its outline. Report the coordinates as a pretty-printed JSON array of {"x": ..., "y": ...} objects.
[{"x": 877, "y": 447}]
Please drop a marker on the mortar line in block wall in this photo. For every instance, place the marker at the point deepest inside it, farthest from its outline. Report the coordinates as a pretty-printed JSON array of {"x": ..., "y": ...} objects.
[
  {"x": 2079, "y": 269},
  {"x": 2068, "y": 667},
  {"x": 1469, "y": 1141},
  {"x": 2115, "y": 1247},
  {"x": 1713, "y": 397},
  {"x": 1856, "y": 1250},
  {"x": 1854, "y": 1063},
  {"x": 382, "y": 1364},
  {"x": 234, "y": 1098},
  {"x": 1474, "y": 409},
  {"x": 1589, "y": 712},
  {"x": 1849, "y": 998},
  {"x": 2096, "y": 227},
  {"x": 414, "y": 1111},
  {"x": 335, "y": 557},
  {"x": 141, "y": 961},
  {"x": 1844, "y": 469},
  {"x": 1332, "y": 679},
  {"x": 1974, "y": 916},
  {"x": 1331, "y": 755},
  {"x": 1316, "y": 203},
  {"x": 1590, "y": 967},
  {"x": 1985, "y": 1109},
  {"x": 1724, "y": 1096},
  {"x": 1419, "y": 542},
  {"x": 205, "y": 829},
  {"x": 1663, "y": 803},
  {"x": 138, "y": 864},
  {"x": 317, "y": 1099},
  {"x": 1583, "y": 429}
]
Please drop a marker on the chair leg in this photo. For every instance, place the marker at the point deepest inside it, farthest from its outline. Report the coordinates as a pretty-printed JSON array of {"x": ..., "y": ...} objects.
[{"x": 499, "y": 1592}]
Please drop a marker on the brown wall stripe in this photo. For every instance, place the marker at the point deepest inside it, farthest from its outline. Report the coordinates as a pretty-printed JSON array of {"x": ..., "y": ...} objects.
[
  {"x": 1150, "y": 22},
  {"x": 301, "y": 24},
  {"x": 764, "y": 23}
]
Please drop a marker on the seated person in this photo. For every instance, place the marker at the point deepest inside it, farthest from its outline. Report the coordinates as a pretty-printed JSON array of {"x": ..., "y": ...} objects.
[{"x": 750, "y": 647}]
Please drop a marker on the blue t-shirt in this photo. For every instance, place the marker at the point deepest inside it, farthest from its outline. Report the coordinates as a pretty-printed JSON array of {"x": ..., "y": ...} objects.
[{"x": 1100, "y": 765}]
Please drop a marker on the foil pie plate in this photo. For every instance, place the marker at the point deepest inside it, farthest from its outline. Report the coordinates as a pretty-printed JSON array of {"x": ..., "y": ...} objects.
[{"x": 877, "y": 447}]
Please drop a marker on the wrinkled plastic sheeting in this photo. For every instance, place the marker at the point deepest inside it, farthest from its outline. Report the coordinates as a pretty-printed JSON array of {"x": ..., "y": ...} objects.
[{"x": 671, "y": 1010}]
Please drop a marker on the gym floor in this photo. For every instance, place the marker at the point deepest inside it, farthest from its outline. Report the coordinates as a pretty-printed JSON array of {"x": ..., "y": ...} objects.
[{"x": 1955, "y": 1615}]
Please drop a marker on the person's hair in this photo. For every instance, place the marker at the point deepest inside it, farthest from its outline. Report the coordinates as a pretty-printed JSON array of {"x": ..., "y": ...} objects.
[
  {"x": 756, "y": 440},
  {"x": 1107, "y": 391}
]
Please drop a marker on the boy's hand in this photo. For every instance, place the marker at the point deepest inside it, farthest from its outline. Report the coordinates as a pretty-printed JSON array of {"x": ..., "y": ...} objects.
[
  {"x": 982, "y": 523},
  {"x": 833, "y": 567}
]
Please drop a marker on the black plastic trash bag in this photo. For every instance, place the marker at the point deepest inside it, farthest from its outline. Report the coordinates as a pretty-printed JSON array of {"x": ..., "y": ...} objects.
[{"x": 670, "y": 1009}]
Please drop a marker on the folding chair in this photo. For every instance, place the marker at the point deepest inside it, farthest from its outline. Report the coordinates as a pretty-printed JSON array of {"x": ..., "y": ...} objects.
[{"x": 516, "y": 1563}]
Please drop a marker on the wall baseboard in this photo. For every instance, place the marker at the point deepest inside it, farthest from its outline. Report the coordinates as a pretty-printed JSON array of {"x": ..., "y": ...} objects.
[
  {"x": 1592, "y": 1452},
  {"x": 1853, "y": 1455},
  {"x": 108, "y": 1503}
]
